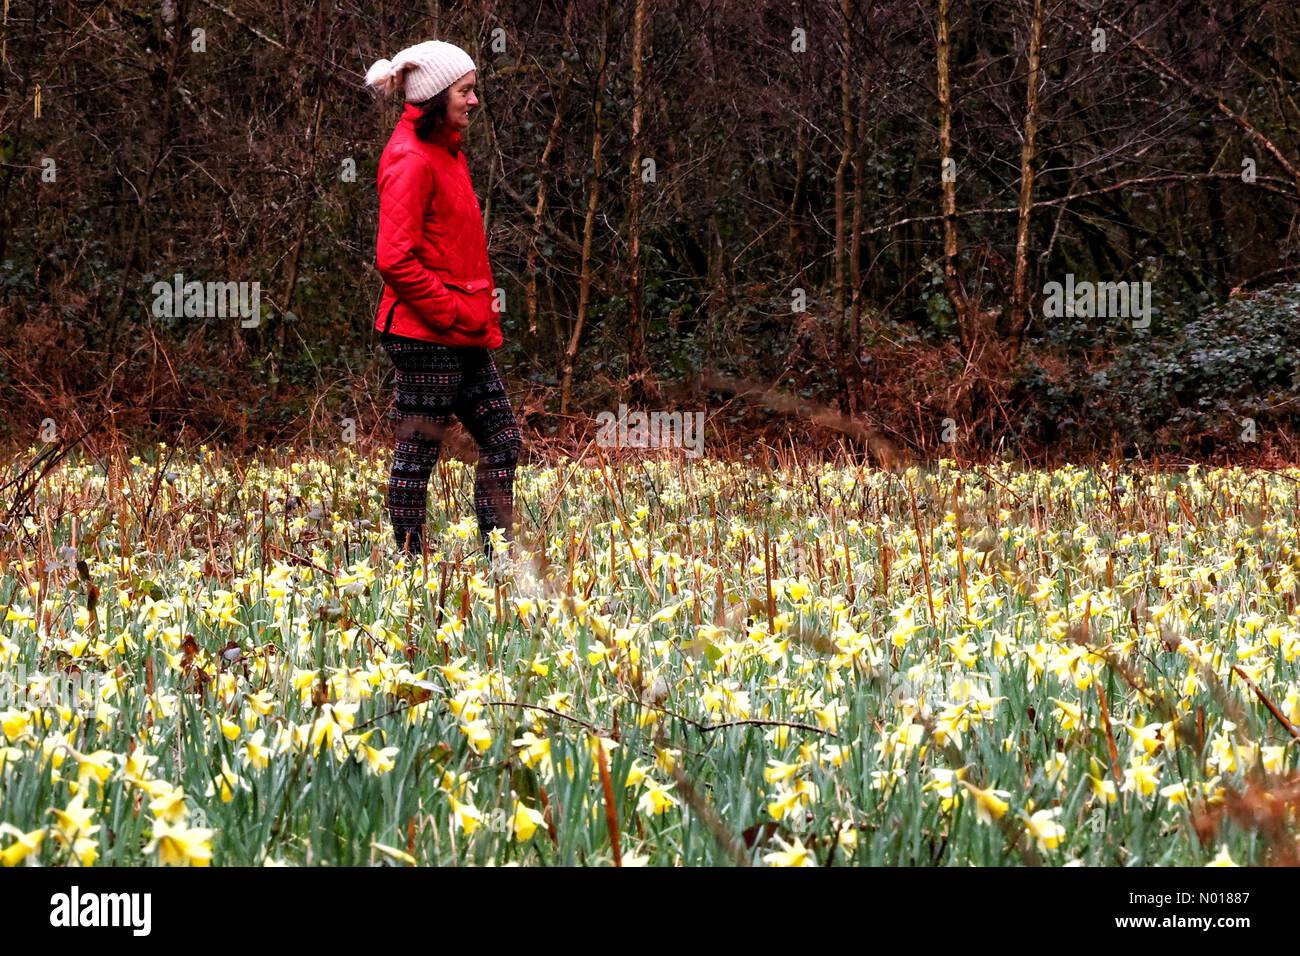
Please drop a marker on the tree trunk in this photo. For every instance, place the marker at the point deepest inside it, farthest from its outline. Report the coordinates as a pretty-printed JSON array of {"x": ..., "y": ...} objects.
[
  {"x": 161, "y": 152},
  {"x": 717, "y": 271},
  {"x": 949, "y": 180},
  {"x": 841, "y": 170},
  {"x": 34, "y": 48},
  {"x": 638, "y": 369},
  {"x": 589, "y": 226},
  {"x": 854, "y": 363},
  {"x": 543, "y": 168},
  {"x": 307, "y": 197},
  {"x": 1019, "y": 290},
  {"x": 794, "y": 241}
]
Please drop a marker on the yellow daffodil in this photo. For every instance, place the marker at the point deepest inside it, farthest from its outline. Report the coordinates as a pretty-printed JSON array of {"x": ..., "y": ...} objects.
[
  {"x": 466, "y": 816},
  {"x": 380, "y": 761},
  {"x": 1069, "y": 716},
  {"x": 226, "y": 783},
  {"x": 1044, "y": 828},
  {"x": 75, "y": 820},
  {"x": 97, "y": 766},
  {"x": 1222, "y": 858},
  {"x": 792, "y": 798},
  {"x": 255, "y": 751},
  {"x": 790, "y": 854},
  {"x": 1103, "y": 789},
  {"x": 14, "y": 723},
  {"x": 168, "y": 802},
  {"x": 525, "y": 822},
  {"x": 180, "y": 845},
  {"x": 535, "y": 752},
  {"x": 23, "y": 846},
  {"x": 777, "y": 771},
  {"x": 990, "y": 805},
  {"x": 478, "y": 734},
  {"x": 635, "y": 774},
  {"x": 656, "y": 799}
]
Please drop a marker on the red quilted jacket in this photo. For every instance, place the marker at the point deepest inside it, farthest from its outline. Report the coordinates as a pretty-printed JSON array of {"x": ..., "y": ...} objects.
[{"x": 431, "y": 249}]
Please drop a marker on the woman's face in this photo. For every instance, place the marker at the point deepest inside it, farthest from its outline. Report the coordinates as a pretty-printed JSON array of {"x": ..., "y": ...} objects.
[{"x": 460, "y": 100}]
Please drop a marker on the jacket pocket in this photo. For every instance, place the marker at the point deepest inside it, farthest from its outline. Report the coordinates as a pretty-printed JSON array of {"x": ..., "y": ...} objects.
[{"x": 474, "y": 297}]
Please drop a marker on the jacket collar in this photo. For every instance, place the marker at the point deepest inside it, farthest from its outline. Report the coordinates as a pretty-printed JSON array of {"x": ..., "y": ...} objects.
[{"x": 448, "y": 138}]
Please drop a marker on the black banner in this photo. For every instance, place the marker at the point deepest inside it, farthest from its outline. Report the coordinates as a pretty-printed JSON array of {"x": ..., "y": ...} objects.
[{"x": 386, "y": 905}]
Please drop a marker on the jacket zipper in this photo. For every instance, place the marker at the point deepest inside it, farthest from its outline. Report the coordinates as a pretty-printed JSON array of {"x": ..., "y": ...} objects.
[{"x": 389, "y": 323}]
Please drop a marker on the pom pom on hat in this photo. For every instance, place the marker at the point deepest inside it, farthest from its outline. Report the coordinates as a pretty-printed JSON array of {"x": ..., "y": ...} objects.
[{"x": 383, "y": 77}]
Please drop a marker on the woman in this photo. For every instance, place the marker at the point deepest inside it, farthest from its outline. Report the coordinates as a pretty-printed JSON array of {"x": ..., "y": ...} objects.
[{"x": 437, "y": 317}]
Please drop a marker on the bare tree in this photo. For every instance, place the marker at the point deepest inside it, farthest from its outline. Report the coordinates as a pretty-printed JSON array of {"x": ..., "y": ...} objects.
[
  {"x": 544, "y": 172},
  {"x": 638, "y": 369},
  {"x": 1019, "y": 293},
  {"x": 589, "y": 223},
  {"x": 948, "y": 177}
]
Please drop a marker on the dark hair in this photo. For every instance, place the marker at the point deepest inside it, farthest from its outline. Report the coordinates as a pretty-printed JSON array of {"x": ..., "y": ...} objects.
[{"x": 433, "y": 117}]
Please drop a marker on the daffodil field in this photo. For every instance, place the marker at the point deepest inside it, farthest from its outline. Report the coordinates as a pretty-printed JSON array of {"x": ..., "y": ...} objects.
[{"x": 215, "y": 661}]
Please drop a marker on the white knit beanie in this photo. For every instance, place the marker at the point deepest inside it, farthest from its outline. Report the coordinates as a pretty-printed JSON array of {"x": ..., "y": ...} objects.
[{"x": 423, "y": 70}]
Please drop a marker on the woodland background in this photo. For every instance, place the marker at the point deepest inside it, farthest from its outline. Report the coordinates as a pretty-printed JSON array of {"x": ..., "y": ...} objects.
[{"x": 795, "y": 146}]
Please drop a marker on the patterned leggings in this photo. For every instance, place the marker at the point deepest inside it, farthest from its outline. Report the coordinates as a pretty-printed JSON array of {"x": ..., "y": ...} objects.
[{"x": 435, "y": 382}]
